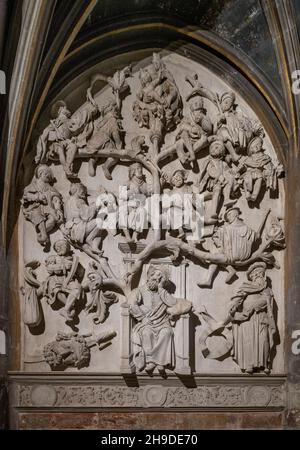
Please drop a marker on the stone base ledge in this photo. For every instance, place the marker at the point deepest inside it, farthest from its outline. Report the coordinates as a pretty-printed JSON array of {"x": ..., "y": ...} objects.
[{"x": 111, "y": 391}]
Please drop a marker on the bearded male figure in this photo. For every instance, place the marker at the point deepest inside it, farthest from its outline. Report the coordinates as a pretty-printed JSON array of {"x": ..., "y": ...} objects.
[
  {"x": 153, "y": 336},
  {"x": 251, "y": 314}
]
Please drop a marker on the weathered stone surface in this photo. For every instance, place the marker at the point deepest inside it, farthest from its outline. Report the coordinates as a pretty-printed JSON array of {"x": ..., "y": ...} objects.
[
  {"x": 165, "y": 127},
  {"x": 152, "y": 421},
  {"x": 157, "y": 296},
  {"x": 220, "y": 394}
]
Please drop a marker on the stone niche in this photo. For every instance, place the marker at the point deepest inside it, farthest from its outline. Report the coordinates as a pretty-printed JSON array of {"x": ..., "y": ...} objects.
[{"x": 200, "y": 298}]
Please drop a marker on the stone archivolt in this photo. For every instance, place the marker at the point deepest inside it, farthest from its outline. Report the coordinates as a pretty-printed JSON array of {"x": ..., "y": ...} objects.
[{"x": 223, "y": 150}]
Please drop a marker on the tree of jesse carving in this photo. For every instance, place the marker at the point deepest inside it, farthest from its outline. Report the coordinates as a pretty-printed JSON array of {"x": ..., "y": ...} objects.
[{"x": 236, "y": 166}]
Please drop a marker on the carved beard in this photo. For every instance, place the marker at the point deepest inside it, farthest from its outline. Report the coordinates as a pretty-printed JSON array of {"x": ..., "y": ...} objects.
[
  {"x": 259, "y": 279},
  {"x": 139, "y": 178},
  {"x": 152, "y": 285}
]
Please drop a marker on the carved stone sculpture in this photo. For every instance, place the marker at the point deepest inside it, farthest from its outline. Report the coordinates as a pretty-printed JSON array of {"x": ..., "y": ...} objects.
[
  {"x": 32, "y": 313},
  {"x": 233, "y": 126},
  {"x": 137, "y": 192},
  {"x": 159, "y": 104},
  {"x": 100, "y": 299},
  {"x": 193, "y": 129},
  {"x": 233, "y": 242},
  {"x": 251, "y": 313},
  {"x": 81, "y": 226},
  {"x": 62, "y": 283},
  {"x": 179, "y": 195},
  {"x": 66, "y": 134},
  {"x": 255, "y": 169},
  {"x": 183, "y": 173},
  {"x": 152, "y": 337},
  {"x": 88, "y": 131},
  {"x": 106, "y": 134},
  {"x": 217, "y": 177},
  {"x": 55, "y": 141},
  {"x": 73, "y": 350},
  {"x": 42, "y": 204}
]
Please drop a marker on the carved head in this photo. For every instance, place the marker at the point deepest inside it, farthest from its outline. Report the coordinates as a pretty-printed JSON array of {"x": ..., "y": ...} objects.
[
  {"x": 64, "y": 112},
  {"x": 156, "y": 61},
  {"x": 60, "y": 110},
  {"x": 231, "y": 214},
  {"x": 178, "y": 178},
  {"x": 96, "y": 280},
  {"x": 62, "y": 247},
  {"x": 257, "y": 272},
  {"x": 78, "y": 190},
  {"x": 44, "y": 173},
  {"x": 217, "y": 149},
  {"x": 227, "y": 101},
  {"x": 145, "y": 77},
  {"x": 275, "y": 232},
  {"x": 196, "y": 107},
  {"x": 94, "y": 276},
  {"x": 154, "y": 280},
  {"x": 136, "y": 170},
  {"x": 137, "y": 142},
  {"x": 255, "y": 145},
  {"x": 156, "y": 276}
]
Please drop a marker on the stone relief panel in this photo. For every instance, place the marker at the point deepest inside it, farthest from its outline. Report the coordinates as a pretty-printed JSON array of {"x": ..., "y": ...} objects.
[
  {"x": 152, "y": 227},
  {"x": 151, "y": 396}
]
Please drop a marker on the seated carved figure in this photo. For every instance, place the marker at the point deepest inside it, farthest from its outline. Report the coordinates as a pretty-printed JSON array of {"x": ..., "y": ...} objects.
[
  {"x": 106, "y": 135},
  {"x": 66, "y": 134},
  {"x": 233, "y": 242},
  {"x": 257, "y": 168},
  {"x": 62, "y": 283},
  {"x": 42, "y": 204},
  {"x": 152, "y": 337},
  {"x": 81, "y": 225},
  {"x": 192, "y": 128},
  {"x": 233, "y": 127},
  {"x": 148, "y": 94}
]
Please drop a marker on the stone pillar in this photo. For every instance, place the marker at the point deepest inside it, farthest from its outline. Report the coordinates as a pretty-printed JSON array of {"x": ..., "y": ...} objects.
[{"x": 127, "y": 365}]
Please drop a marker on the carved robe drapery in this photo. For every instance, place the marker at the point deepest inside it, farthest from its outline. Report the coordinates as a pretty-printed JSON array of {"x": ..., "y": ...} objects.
[
  {"x": 153, "y": 337},
  {"x": 253, "y": 326},
  {"x": 144, "y": 172},
  {"x": 236, "y": 240}
]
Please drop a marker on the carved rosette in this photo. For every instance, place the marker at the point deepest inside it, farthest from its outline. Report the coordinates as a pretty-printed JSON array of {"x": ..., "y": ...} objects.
[{"x": 152, "y": 396}]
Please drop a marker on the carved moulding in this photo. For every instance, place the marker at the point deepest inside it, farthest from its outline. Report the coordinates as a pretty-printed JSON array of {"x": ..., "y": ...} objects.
[{"x": 208, "y": 394}]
